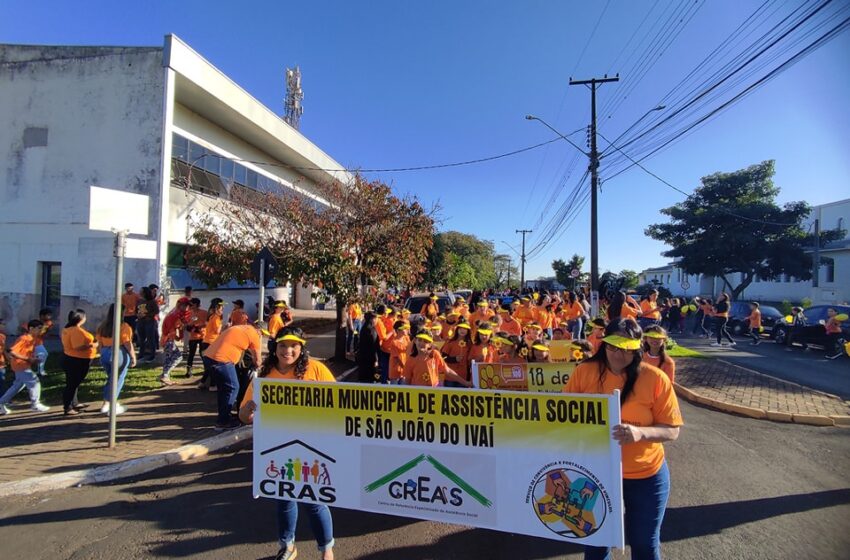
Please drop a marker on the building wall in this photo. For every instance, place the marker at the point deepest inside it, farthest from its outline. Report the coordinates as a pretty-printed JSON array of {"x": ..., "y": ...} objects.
[{"x": 73, "y": 117}]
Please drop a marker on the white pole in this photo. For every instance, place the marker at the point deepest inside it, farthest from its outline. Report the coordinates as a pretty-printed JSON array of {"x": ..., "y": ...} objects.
[
  {"x": 120, "y": 241},
  {"x": 262, "y": 289}
]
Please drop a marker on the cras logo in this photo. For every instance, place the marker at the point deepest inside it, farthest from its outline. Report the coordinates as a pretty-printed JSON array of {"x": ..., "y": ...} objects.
[
  {"x": 569, "y": 500},
  {"x": 298, "y": 471},
  {"x": 403, "y": 486}
]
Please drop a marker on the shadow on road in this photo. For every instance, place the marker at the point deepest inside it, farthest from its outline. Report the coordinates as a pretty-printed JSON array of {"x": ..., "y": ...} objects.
[{"x": 697, "y": 521}]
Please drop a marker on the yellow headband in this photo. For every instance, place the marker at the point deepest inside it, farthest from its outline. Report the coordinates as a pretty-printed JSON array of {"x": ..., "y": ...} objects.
[
  {"x": 500, "y": 340},
  {"x": 541, "y": 347},
  {"x": 483, "y": 304},
  {"x": 425, "y": 337},
  {"x": 464, "y": 326},
  {"x": 654, "y": 334},
  {"x": 533, "y": 326},
  {"x": 622, "y": 342},
  {"x": 434, "y": 298},
  {"x": 292, "y": 337},
  {"x": 487, "y": 332},
  {"x": 404, "y": 327}
]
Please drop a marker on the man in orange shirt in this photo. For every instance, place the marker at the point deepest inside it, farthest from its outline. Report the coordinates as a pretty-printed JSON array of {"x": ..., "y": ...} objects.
[
  {"x": 23, "y": 362},
  {"x": 525, "y": 313},
  {"x": 221, "y": 359},
  {"x": 130, "y": 301},
  {"x": 481, "y": 315},
  {"x": 197, "y": 327},
  {"x": 172, "y": 330}
]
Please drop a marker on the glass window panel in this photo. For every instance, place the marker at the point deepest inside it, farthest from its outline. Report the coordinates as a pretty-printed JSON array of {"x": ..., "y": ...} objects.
[
  {"x": 239, "y": 174},
  {"x": 226, "y": 168},
  {"x": 252, "y": 179},
  {"x": 196, "y": 153},
  {"x": 211, "y": 162},
  {"x": 179, "y": 147}
]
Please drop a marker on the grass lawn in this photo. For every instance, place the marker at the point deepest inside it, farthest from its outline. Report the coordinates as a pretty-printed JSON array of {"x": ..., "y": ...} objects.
[
  {"x": 142, "y": 378},
  {"x": 682, "y": 352}
]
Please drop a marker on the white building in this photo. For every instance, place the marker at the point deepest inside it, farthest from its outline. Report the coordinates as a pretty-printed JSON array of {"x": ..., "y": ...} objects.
[
  {"x": 833, "y": 278},
  {"x": 135, "y": 119}
]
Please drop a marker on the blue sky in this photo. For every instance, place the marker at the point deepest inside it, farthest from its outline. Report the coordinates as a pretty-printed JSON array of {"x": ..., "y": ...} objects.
[{"x": 395, "y": 84}]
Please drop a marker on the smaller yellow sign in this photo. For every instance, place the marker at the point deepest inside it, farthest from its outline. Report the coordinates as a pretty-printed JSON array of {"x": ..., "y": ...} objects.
[{"x": 539, "y": 377}]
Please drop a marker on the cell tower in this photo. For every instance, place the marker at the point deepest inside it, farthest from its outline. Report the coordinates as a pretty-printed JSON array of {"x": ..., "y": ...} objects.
[{"x": 294, "y": 97}]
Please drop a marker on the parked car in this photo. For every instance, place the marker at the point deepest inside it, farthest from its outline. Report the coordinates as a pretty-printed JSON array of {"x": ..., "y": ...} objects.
[
  {"x": 740, "y": 310},
  {"x": 415, "y": 302},
  {"x": 465, "y": 294},
  {"x": 813, "y": 331}
]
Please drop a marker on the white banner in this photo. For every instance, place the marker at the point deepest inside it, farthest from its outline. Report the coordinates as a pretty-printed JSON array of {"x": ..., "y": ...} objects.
[{"x": 530, "y": 463}]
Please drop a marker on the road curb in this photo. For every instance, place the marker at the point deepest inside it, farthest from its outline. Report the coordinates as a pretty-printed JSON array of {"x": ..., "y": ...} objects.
[
  {"x": 758, "y": 413},
  {"x": 131, "y": 467}
]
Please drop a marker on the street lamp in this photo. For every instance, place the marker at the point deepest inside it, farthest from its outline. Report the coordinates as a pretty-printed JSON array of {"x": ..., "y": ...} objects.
[
  {"x": 550, "y": 127},
  {"x": 634, "y": 124}
]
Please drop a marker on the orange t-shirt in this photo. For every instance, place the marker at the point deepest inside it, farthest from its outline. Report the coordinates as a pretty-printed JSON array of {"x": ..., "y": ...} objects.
[
  {"x": 430, "y": 310},
  {"x": 384, "y": 332},
  {"x": 24, "y": 346},
  {"x": 458, "y": 349},
  {"x": 130, "y": 302},
  {"x": 596, "y": 341},
  {"x": 74, "y": 337},
  {"x": 511, "y": 327},
  {"x": 755, "y": 319},
  {"x": 2, "y": 350},
  {"x": 572, "y": 311},
  {"x": 316, "y": 371},
  {"x": 524, "y": 315},
  {"x": 213, "y": 329},
  {"x": 238, "y": 317},
  {"x": 482, "y": 353},
  {"x": 651, "y": 402},
  {"x": 668, "y": 367},
  {"x": 707, "y": 309},
  {"x": 198, "y": 323},
  {"x": 650, "y": 309},
  {"x": 228, "y": 347},
  {"x": 545, "y": 318},
  {"x": 832, "y": 326},
  {"x": 275, "y": 324},
  {"x": 125, "y": 337},
  {"x": 424, "y": 370},
  {"x": 398, "y": 348}
]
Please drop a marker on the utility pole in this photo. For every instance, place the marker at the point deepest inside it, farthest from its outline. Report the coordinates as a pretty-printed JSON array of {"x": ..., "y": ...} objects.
[
  {"x": 816, "y": 257},
  {"x": 594, "y": 185},
  {"x": 522, "y": 259}
]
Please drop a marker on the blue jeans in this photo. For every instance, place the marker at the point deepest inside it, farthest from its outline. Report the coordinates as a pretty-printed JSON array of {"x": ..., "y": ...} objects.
[
  {"x": 352, "y": 336},
  {"x": 106, "y": 362},
  {"x": 645, "y": 501},
  {"x": 23, "y": 379},
  {"x": 224, "y": 374},
  {"x": 320, "y": 522},
  {"x": 576, "y": 327},
  {"x": 148, "y": 338}
]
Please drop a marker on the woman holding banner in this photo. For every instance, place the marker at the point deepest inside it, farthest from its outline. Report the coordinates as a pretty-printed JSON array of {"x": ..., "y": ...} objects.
[
  {"x": 290, "y": 360},
  {"x": 649, "y": 416}
]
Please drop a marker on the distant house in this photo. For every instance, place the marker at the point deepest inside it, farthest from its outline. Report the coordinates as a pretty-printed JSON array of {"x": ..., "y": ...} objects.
[
  {"x": 833, "y": 276},
  {"x": 140, "y": 119}
]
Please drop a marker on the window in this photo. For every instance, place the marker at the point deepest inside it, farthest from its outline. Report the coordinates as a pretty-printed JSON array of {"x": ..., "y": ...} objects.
[
  {"x": 176, "y": 255},
  {"x": 252, "y": 179},
  {"x": 179, "y": 147},
  {"x": 196, "y": 154},
  {"x": 51, "y": 285},
  {"x": 757, "y": 278},
  {"x": 226, "y": 168},
  {"x": 239, "y": 174},
  {"x": 830, "y": 271}
]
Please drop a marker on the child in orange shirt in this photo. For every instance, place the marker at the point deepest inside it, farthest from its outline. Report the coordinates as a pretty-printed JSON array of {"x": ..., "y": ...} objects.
[
  {"x": 482, "y": 349},
  {"x": 539, "y": 353},
  {"x": 398, "y": 347},
  {"x": 754, "y": 320},
  {"x": 425, "y": 367},
  {"x": 456, "y": 350},
  {"x": 23, "y": 362},
  {"x": 655, "y": 351}
]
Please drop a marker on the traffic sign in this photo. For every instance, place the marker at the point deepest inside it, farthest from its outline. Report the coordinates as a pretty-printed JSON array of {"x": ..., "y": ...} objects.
[
  {"x": 686, "y": 285},
  {"x": 575, "y": 273},
  {"x": 266, "y": 263}
]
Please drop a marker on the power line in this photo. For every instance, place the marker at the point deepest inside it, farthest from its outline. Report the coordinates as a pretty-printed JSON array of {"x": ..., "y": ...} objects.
[{"x": 590, "y": 38}]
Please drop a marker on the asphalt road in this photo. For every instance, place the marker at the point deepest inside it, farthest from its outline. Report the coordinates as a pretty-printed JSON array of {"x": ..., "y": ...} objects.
[
  {"x": 808, "y": 368},
  {"x": 742, "y": 488}
]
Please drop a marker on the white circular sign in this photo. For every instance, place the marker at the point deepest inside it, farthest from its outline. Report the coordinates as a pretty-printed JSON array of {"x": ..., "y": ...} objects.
[
  {"x": 686, "y": 285},
  {"x": 574, "y": 273}
]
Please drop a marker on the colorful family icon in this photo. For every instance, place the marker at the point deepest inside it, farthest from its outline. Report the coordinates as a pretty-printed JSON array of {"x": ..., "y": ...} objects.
[{"x": 565, "y": 500}]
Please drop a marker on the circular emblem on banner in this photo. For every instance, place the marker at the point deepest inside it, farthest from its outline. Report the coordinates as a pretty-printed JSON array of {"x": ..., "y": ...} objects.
[{"x": 569, "y": 501}]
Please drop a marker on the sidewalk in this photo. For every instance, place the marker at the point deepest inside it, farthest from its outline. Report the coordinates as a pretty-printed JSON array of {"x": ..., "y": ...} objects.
[
  {"x": 723, "y": 386},
  {"x": 33, "y": 444}
]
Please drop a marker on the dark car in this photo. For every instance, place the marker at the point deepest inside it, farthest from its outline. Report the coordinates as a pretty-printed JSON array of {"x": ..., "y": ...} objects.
[
  {"x": 740, "y": 310},
  {"x": 417, "y": 301},
  {"x": 813, "y": 331}
]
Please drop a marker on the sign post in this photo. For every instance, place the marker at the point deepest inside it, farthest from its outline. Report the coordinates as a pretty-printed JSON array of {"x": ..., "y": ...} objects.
[
  {"x": 106, "y": 213},
  {"x": 263, "y": 269}
]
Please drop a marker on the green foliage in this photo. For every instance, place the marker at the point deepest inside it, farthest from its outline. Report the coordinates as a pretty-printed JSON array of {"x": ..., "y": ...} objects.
[
  {"x": 806, "y": 303},
  {"x": 461, "y": 260},
  {"x": 785, "y": 307},
  {"x": 630, "y": 279},
  {"x": 563, "y": 269},
  {"x": 732, "y": 224}
]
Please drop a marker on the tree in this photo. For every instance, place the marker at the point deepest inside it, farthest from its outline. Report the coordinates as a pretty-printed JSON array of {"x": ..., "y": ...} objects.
[
  {"x": 363, "y": 235},
  {"x": 506, "y": 272},
  {"x": 563, "y": 271},
  {"x": 630, "y": 279},
  {"x": 460, "y": 260},
  {"x": 732, "y": 224}
]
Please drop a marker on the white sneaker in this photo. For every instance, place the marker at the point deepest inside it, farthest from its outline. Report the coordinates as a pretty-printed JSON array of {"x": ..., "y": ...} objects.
[
  {"x": 105, "y": 408},
  {"x": 38, "y": 407},
  {"x": 733, "y": 344},
  {"x": 4, "y": 410},
  {"x": 119, "y": 409},
  {"x": 714, "y": 344}
]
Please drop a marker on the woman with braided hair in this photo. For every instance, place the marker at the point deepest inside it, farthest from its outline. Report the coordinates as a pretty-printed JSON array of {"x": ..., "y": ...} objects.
[{"x": 291, "y": 360}]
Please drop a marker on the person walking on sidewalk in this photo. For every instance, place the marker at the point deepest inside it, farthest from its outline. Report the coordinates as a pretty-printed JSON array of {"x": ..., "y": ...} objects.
[
  {"x": 127, "y": 357},
  {"x": 147, "y": 312},
  {"x": 650, "y": 416},
  {"x": 215, "y": 320},
  {"x": 290, "y": 360},
  {"x": 172, "y": 329},
  {"x": 22, "y": 363},
  {"x": 79, "y": 349},
  {"x": 754, "y": 320},
  {"x": 196, "y": 328},
  {"x": 721, "y": 318},
  {"x": 222, "y": 357}
]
